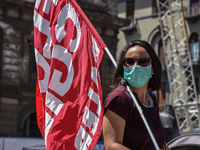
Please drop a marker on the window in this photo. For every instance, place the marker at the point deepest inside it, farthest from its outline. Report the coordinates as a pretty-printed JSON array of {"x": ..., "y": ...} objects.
[
  {"x": 194, "y": 4},
  {"x": 30, "y": 126},
  {"x": 130, "y": 10},
  {"x": 162, "y": 94},
  {"x": 194, "y": 46},
  {"x": 161, "y": 53}
]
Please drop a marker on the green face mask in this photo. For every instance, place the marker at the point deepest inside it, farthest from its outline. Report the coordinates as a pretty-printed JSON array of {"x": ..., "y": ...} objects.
[{"x": 136, "y": 75}]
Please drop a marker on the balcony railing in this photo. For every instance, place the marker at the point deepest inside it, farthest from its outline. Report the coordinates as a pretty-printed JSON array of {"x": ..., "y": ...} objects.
[{"x": 191, "y": 11}]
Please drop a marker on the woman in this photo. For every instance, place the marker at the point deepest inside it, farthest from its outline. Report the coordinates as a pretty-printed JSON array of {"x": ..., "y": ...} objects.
[{"x": 123, "y": 128}]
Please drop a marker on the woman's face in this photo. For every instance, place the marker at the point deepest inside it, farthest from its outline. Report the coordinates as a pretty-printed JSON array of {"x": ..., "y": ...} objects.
[{"x": 137, "y": 52}]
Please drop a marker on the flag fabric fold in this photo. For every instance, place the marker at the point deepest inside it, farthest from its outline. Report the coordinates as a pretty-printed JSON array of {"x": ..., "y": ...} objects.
[{"x": 68, "y": 52}]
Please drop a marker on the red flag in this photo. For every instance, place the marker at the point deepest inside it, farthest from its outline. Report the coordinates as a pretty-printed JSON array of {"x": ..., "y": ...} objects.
[{"x": 68, "y": 53}]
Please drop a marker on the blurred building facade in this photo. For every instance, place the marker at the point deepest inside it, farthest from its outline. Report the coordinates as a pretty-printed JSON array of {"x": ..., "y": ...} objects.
[
  {"x": 18, "y": 69},
  {"x": 145, "y": 26}
]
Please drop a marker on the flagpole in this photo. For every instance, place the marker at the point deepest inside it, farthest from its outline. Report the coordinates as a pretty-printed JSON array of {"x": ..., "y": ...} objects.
[
  {"x": 111, "y": 57},
  {"x": 136, "y": 104}
]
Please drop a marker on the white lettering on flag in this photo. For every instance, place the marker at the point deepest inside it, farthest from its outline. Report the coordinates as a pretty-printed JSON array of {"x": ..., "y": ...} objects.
[
  {"x": 94, "y": 75},
  {"x": 37, "y": 4},
  {"x": 43, "y": 26},
  {"x": 60, "y": 53},
  {"x": 55, "y": 2},
  {"x": 82, "y": 140},
  {"x": 48, "y": 123},
  {"x": 95, "y": 98},
  {"x": 95, "y": 49},
  {"x": 47, "y": 6},
  {"x": 90, "y": 120},
  {"x": 68, "y": 12},
  {"x": 53, "y": 103},
  {"x": 45, "y": 66},
  {"x": 68, "y": 52}
]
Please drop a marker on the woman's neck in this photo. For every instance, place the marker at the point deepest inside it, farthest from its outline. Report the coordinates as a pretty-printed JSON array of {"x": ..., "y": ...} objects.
[{"x": 141, "y": 93}]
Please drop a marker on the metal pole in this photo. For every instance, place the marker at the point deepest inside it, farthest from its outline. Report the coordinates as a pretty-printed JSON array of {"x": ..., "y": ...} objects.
[
  {"x": 111, "y": 57},
  {"x": 143, "y": 117},
  {"x": 136, "y": 104}
]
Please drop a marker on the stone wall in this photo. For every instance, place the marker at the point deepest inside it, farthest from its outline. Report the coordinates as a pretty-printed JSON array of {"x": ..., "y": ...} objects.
[
  {"x": 17, "y": 82},
  {"x": 18, "y": 71}
]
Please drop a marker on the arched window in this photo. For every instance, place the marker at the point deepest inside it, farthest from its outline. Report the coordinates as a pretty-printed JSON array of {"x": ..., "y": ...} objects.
[
  {"x": 161, "y": 53},
  {"x": 162, "y": 94},
  {"x": 194, "y": 46},
  {"x": 162, "y": 91},
  {"x": 1, "y": 49},
  {"x": 30, "y": 126}
]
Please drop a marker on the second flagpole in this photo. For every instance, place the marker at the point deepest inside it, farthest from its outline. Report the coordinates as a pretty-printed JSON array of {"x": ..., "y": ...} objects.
[{"x": 136, "y": 104}]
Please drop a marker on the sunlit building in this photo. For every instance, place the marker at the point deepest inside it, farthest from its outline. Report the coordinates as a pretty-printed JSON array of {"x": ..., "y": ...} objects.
[{"x": 145, "y": 26}]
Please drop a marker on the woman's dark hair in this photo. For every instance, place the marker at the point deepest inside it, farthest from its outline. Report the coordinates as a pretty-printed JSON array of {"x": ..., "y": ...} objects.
[{"x": 154, "y": 82}]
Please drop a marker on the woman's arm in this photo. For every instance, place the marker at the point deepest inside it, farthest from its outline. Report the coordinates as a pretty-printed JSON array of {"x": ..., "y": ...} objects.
[{"x": 113, "y": 131}]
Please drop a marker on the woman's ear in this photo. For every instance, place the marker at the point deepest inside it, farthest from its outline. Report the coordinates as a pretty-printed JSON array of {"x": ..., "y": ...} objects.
[{"x": 152, "y": 70}]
